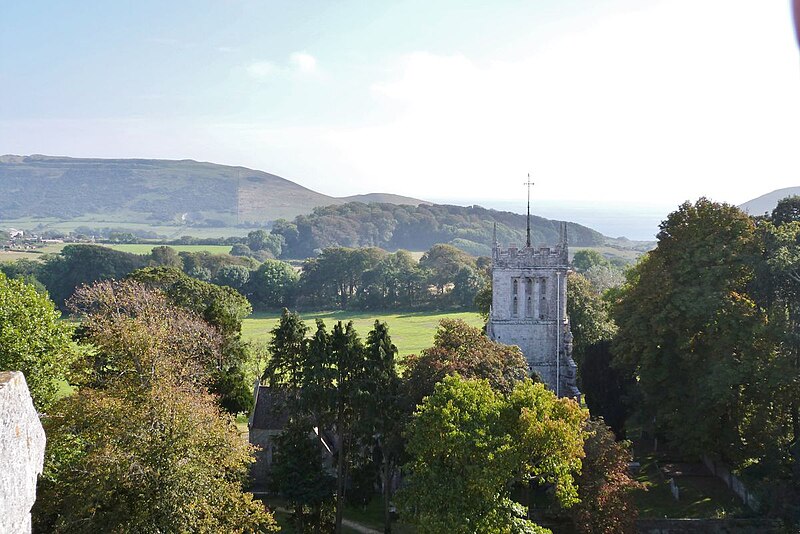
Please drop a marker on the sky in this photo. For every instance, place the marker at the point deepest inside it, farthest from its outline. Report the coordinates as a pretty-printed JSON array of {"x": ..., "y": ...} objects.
[{"x": 631, "y": 103}]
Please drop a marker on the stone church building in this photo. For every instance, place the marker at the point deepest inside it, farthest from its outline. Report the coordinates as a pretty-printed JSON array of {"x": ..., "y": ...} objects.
[{"x": 529, "y": 309}]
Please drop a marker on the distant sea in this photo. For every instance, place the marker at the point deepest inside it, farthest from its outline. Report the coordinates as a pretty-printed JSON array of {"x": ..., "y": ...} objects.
[{"x": 638, "y": 222}]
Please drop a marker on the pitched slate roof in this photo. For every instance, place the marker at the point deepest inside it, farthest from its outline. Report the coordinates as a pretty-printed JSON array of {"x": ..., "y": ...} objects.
[{"x": 270, "y": 412}]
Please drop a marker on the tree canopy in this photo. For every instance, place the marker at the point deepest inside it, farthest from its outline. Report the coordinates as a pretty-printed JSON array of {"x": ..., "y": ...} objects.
[
  {"x": 688, "y": 314},
  {"x": 465, "y": 350},
  {"x": 142, "y": 446},
  {"x": 468, "y": 443},
  {"x": 708, "y": 329}
]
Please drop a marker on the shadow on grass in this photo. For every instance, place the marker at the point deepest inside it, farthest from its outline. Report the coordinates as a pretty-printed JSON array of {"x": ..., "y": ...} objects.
[{"x": 701, "y": 494}]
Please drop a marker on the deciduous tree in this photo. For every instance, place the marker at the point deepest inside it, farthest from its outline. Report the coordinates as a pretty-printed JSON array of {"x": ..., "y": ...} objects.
[
  {"x": 33, "y": 340},
  {"x": 588, "y": 315},
  {"x": 604, "y": 486},
  {"x": 468, "y": 443},
  {"x": 151, "y": 459},
  {"x": 272, "y": 285},
  {"x": 690, "y": 331},
  {"x": 460, "y": 348}
]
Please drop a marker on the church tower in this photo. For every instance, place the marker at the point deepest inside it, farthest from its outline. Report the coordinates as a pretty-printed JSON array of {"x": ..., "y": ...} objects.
[{"x": 529, "y": 308}]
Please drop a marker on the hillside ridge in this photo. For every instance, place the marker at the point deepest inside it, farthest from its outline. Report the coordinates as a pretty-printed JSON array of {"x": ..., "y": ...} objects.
[
  {"x": 767, "y": 202},
  {"x": 156, "y": 191}
]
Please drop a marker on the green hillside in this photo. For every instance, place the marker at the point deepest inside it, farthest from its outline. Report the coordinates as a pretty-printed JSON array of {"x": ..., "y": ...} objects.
[
  {"x": 392, "y": 227},
  {"x": 155, "y": 192}
]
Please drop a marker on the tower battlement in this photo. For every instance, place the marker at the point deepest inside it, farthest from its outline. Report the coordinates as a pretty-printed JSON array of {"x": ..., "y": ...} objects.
[{"x": 513, "y": 257}]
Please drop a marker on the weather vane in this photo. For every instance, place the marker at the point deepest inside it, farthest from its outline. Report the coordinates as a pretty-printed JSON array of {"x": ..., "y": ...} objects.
[{"x": 529, "y": 184}]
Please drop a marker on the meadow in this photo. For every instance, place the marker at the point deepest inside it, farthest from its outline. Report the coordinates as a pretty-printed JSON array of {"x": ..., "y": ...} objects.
[
  {"x": 145, "y": 248},
  {"x": 411, "y": 332}
]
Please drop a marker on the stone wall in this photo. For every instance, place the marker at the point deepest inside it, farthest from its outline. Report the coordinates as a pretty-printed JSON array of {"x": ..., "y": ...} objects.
[
  {"x": 21, "y": 453},
  {"x": 723, "y": 472}
]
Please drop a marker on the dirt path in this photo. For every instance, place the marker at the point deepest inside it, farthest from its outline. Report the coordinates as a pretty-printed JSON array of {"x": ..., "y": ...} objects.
[{"x": 359, "y": 527}]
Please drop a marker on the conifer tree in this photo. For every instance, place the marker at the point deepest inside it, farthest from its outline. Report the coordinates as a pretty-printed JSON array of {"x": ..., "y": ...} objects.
[
  {"x": 288, "y": 352},
  {"x": 384, "y": 418}
]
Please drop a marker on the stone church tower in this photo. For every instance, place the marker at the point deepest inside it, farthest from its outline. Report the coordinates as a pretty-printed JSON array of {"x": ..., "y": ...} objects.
[{"x": 529, "y": 309}]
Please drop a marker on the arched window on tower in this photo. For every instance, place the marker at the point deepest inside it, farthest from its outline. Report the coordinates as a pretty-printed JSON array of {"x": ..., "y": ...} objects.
[
  {"x": 515, "y": 300},
  {"x": 528, "y": 297},
  {"x": 543, "y": 312}
]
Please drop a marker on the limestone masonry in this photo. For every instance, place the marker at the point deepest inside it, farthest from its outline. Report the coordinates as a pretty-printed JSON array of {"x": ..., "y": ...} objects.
[
  {"x": 21, "y": 453},
  {"x": 529, "y": 309}
]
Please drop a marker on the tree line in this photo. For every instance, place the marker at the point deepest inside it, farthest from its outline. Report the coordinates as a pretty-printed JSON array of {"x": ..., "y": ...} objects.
[{"x": 338, "y": 278}]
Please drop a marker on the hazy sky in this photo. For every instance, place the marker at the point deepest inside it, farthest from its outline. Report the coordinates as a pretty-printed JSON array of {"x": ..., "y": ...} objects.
[{"x": 654, "y": 101}]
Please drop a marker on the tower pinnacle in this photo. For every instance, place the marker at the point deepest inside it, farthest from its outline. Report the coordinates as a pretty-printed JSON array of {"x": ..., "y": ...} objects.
[{"x": 529, "y": 184}]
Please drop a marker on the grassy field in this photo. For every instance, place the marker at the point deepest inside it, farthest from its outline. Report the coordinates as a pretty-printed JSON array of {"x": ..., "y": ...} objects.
[
  {"x": 35, "y": 254},
  {"x": 122, "y": 223},
  {"x": 145, "y": 248},
  {"x": 141, "y": 248},
  {"x": 411, "y": 332}
]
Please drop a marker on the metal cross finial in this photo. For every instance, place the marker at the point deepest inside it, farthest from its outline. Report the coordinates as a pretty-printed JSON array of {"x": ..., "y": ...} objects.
[{"x": 529, "y": 184}]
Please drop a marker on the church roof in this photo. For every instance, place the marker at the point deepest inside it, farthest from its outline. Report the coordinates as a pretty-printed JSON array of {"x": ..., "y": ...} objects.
[{"x": 270, "y": 411}]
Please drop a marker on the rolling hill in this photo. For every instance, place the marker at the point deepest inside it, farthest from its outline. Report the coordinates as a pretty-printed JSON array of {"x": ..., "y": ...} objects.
[
  {"x": 189, "y": 197},
  {"x": 158, "y": 192}
]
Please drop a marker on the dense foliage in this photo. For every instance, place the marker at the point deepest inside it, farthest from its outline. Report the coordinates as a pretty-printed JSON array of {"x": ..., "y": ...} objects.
[
  {"x": 159, "y": 459},
  {"x": 604, "y": 486},
  {"x": 333, "y": 381},
  {"x": 588, "y": 313},
  {"x": 708, "y": 328},
  {"x": 300, "y": 476},
  {"x": 468, "y": 443},
  {"x": 224, "y": 309},
  {"x": 85, "y": 264},
  {"x": 370, "y": 278},
  {"x": 366, "y": 278}
]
